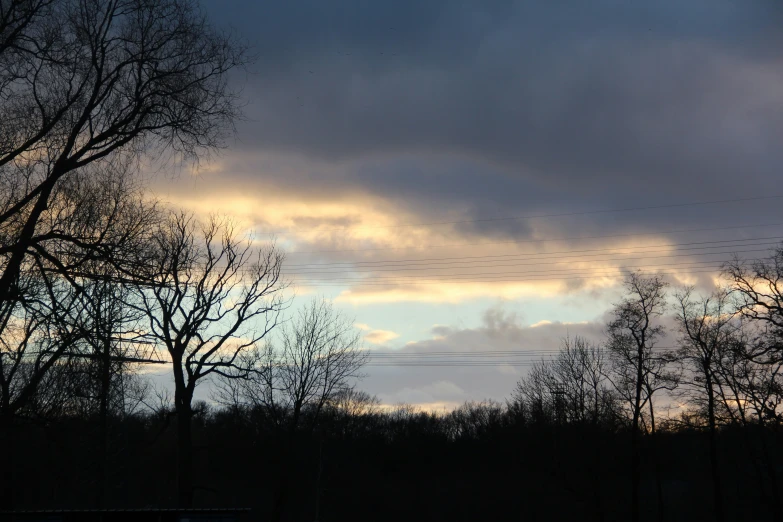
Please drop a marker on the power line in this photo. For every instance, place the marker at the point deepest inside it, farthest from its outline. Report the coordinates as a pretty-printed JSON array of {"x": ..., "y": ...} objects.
[
  {"x": 369, "y": 282},
  {"x": 564, "y": 271},
  {"x": 530, "y": 241},
  {"x": 532, "y": 255},
  {"x": 453, "y": 365},
  {"x": 549, "y": 262},
  {"x": 662, "y": 268},
  {"x": 461, "y": 359},
  {"x": 600, "y": 255},
  {"x": 514, "y": 358},
  {"x": 489, "y": 353},
  {"x": 428, "y": 353}
]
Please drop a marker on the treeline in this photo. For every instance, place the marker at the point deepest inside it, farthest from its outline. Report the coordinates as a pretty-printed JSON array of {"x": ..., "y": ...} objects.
[{"x": 482, "y": 459}]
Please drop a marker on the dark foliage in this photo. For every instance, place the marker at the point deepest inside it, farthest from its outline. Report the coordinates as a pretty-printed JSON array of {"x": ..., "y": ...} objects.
[{"x": 402, "y": 464}]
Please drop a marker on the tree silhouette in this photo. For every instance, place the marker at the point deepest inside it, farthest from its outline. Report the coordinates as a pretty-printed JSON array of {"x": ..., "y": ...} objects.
[
  {"x": 708, "y": 331},
  {"x": 208, "y": 297},
  {"x": 309, "y": 367},
  {"x": 637, "y": 372},
  {"x": 95, "y": 85}
]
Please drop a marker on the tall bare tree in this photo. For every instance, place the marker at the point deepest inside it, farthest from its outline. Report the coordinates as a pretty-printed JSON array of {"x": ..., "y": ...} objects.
[
  {"x": 637, "y": 371},
  {"x": 210, "y": 297},
  {"x": 757, "y": 289},
  {"x": 317, "y": 355},
  {"x": 88, "y": 82},
  {"x": 708, "y": 333}
]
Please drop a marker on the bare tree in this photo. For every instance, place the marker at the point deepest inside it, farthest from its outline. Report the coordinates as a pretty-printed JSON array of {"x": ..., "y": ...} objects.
[
  {"x": 475, "y": 420},
  {"x": 533, "y": 393},
  {"x": 637, "y": 372},
  {"x": 570, "y": 387},
  {"x": 37, "y": 331},
  {"x": 757, "y": 287},
  {"x": 95, "y": 225},
  {"x": 85, "y": 82},
  {"x": 580, "y": 368},
  {"x": 708, "y": 332},
  {"x": 312, "y": 364},
  {"x": 211, "y": 296},
  {"x": 316, "y": 357},
  {"x": 319, "y": 354}
]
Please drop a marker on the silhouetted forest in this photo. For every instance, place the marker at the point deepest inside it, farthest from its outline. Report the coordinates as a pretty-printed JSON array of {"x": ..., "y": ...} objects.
[
  {"x": 674, "y": 415},
  {"x": 481, "y": 459}
]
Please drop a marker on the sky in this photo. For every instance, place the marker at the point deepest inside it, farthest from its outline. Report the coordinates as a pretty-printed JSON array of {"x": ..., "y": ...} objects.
[{"x": 479, "y": 176}]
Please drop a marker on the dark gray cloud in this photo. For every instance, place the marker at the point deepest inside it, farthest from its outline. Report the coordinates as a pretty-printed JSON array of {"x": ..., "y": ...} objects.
[{"x": 503, "y": 105}]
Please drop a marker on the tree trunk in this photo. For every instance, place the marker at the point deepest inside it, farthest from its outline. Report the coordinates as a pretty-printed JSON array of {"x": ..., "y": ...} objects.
[
  {"x": 19, "y": 251},
  {"x": 772, "y": 473},
  {"x": 8, "y": 484},
  {"x": 318, "y": 478},
  {"x": 289, "y": 448},
  {"x": 656, "y": 463},
  {"x": 183, "y": 397},
  {"x": 716, "y": 485},
  {"x": 635, "y": 453},
  {"x": 635, "y": 473},
  {"x": 598, "y": 504},
  {"x": 761, "y": 484},
  {"x": 184, "y": 457},
  {"x": 103, "y": 414}
]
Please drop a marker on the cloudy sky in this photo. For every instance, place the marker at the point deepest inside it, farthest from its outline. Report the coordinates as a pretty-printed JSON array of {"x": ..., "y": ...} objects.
[{"x": 477, "y": 176}]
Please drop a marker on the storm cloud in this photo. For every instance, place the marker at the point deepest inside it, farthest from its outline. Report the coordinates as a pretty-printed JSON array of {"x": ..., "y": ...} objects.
[{"x": 493, "y": 108}]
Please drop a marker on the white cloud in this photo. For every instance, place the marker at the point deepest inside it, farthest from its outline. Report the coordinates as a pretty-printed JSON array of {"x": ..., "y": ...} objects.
[
  {"x": 380, "y": 336},
  {"x": 540, "y": 323},
  {"x": 376, "y": 336}
]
